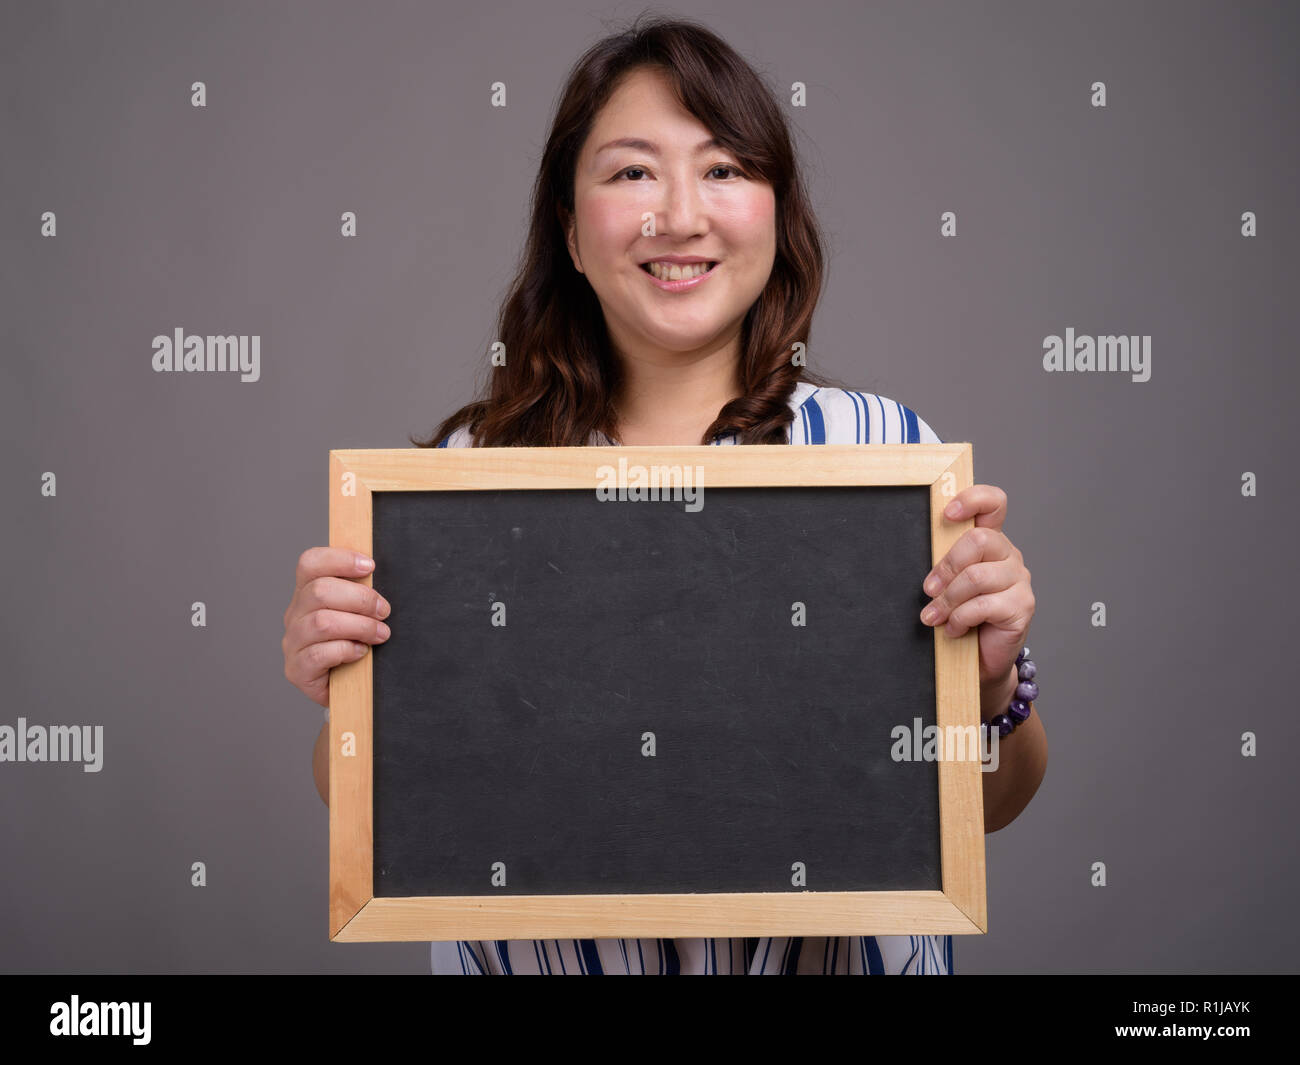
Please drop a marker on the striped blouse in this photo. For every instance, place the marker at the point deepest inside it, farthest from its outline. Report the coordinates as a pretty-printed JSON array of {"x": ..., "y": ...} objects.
[{"x": 822, "y": 416}]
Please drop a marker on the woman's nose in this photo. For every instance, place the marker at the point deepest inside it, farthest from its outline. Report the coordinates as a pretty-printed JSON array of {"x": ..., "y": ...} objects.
[{"x": 682, "y": 212}]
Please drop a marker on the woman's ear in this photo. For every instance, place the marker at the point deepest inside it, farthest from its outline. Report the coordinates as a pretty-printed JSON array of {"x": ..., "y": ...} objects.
[{"x": 567, "y": 223}]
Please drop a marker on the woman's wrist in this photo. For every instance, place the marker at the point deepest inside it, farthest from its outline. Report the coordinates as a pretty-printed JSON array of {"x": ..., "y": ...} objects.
[
  {"x": 996, "y": 696},
  {"x": 1020, "y": 703}
]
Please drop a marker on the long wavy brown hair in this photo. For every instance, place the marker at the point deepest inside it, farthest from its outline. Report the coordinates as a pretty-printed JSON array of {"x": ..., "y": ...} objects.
[{"x": 561, "y": 376}]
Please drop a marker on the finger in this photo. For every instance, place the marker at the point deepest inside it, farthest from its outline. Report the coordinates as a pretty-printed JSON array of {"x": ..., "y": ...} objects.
[
  {"x": 321, "y": 626},
  {"x": 331, "y": 562},
  {"x": 974, "y": 545},
  {"x": 979, "y": 578},
  {"x": 1005, "y": 610},
  {"x": 310, "y": 665},
  {"x": 986, "y": 503},
  {"x": 335, "y": 593}
]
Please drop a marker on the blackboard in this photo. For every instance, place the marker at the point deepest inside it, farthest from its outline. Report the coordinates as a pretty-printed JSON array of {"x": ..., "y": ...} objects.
[
  {"x": 522, "y": 743},
  {"x": 584, "y": 698}
]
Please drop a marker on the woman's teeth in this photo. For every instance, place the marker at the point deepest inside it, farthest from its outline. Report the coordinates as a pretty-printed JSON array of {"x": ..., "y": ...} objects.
[{"x": 673, "y": 272}]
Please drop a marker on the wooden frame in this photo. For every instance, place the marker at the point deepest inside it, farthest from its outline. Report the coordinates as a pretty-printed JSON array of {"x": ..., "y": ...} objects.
[{"x": 355, "y": 914}]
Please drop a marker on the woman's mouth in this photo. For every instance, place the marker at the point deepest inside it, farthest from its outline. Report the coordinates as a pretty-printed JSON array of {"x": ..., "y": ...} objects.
[{"x": 674, "y": 277}]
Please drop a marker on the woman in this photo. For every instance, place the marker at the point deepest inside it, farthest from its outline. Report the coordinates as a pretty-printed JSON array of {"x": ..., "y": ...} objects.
[{"x": 671, "y": 272}]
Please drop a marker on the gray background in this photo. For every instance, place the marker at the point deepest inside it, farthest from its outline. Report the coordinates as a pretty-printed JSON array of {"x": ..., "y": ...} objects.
[{"x": 184, "y": 487}]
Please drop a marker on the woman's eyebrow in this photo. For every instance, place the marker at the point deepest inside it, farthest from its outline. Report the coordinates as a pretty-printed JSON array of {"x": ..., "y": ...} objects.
[{"x": 637, "y": 144}]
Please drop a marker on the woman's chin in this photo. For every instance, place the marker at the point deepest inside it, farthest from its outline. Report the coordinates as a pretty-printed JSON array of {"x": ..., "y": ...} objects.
[
  {"x": 683, "y": 331},
  {"x": 683, "y": 343}
]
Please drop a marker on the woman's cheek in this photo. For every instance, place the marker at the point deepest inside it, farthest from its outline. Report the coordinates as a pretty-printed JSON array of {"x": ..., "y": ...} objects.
[
  {"x": 614, "y": 222},
  {"x": 749, "y": 222},
  {"x": 761, "y": 206}
]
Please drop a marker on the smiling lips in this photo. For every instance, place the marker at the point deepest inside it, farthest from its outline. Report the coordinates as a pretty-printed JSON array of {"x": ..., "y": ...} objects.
[{"x": 675, "y": 277}]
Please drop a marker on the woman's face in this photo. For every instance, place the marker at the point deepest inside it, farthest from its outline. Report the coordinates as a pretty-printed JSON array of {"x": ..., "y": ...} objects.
[{"x": 672, "y": 195}]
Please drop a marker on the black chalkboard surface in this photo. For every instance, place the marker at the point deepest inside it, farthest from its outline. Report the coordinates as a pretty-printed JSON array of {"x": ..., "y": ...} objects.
[{"x": 524, "y": 743}]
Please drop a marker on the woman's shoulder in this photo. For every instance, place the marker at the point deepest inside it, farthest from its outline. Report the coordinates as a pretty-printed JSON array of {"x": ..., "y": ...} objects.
[
  {"x": 457, "y": 438},
  {"x": 826, "y": 415}
]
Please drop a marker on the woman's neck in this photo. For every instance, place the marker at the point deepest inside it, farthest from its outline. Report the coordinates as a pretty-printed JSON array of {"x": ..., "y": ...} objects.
[{"x": 668, "y": 400}]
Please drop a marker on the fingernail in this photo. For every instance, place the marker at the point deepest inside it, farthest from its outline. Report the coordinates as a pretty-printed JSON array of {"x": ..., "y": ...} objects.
[
  {"x": 953, "y": 509},
  {"x": 361, "y": 648},
  {"x": 383, "y": 630},
  {"x": 383, "y": 609},
  {"x": 931, "y": 585},
  {"x": 365, "y": 564},
  {"x": 929, "y": 614}
]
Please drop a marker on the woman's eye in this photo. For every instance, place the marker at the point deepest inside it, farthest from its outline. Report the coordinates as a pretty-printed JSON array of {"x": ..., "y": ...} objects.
[
  {"x": 726, "y": 166},
  {"x": 630, "y": 169}
]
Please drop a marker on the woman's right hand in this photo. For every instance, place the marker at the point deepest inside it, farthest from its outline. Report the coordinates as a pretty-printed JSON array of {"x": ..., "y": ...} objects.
[{"x": 331, "y": 619}]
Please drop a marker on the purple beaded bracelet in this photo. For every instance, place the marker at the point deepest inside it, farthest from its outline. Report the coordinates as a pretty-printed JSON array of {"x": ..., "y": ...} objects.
[{"x": 1026, "y": 692}]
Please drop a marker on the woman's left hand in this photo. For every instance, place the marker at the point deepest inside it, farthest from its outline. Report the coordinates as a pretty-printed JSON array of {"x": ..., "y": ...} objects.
[{"x": 982, "y": 582}]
